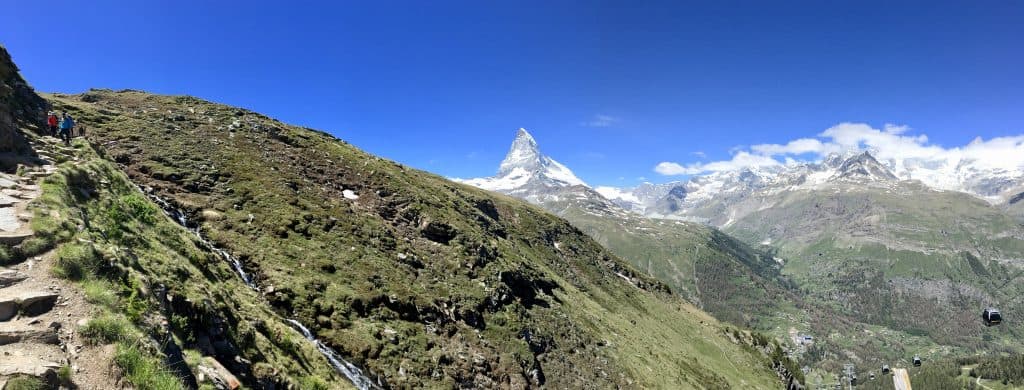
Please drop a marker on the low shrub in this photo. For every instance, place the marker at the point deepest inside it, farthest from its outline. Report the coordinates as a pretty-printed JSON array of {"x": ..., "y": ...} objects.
[
  {"x": 24, "y": 383},
  {"x": 106, "y": 329},
  {"x": 76, "y": 261},
  {"x": 144, "y": 370}
]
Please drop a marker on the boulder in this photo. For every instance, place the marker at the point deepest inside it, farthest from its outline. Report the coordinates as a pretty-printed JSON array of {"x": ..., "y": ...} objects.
[
  {"x": 219, "y": 376},
  {"x": 34, "y": 303},
  {"x": 15, "y": 333},
  {"x": 11, "y": 277},
  {"x": 8, "y": 309},
  {"x": 30, "y": 366}
]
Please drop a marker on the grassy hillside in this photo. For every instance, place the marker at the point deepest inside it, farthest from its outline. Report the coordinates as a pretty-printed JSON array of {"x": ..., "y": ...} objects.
[
  {"x": 165, "y": 294},
  {"x": 914, "y": 267},
  {"x": 422, "y": 281},
  {"x": 723, "y": 276}
]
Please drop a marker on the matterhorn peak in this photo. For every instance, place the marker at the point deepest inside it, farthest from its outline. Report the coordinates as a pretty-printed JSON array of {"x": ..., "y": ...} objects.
[
  {"x": 524, "y": 154},
  {"x": 527, "y": 173}
]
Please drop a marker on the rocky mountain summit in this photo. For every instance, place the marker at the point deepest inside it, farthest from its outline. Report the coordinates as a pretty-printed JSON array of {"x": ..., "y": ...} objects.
[
  {"x": 529, "y": 174},
  {"x": 864, "y": 167}
]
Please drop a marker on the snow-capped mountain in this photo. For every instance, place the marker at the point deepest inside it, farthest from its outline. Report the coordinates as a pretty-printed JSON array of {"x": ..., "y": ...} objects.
[
  {"x": 720, "y": 197},
  {"x": 527, "y": 173},
  {"x": 863, "y": 167},
  {"x": 995, "y": 184}
]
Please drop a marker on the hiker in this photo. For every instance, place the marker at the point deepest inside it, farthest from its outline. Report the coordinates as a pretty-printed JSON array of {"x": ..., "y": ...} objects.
[
  {"x": 66, "y": 126},
  {"x": 51, "y": 122}
]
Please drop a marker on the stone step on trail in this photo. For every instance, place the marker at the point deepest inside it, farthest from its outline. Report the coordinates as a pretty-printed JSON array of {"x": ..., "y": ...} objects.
[
  {"x": 16, "y": 194},
  {"x": 11, "y": 277},
  {"x": 31, "y": 303},
  {"x": 8, "y": 309},
  {"x": 37, "y": 302},
  {"x": 22, "y": 332},
  {"x": 30, "y": 366},
  {"x": 36, "y": 174},
  {"x": 8, "y": 201},
  {"x": 8, "y": 182},
  {"x": 14, "y": 238}
]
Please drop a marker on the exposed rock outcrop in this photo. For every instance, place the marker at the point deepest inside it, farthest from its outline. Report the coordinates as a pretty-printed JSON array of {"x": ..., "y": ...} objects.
[{"x": 20, "y": 108}]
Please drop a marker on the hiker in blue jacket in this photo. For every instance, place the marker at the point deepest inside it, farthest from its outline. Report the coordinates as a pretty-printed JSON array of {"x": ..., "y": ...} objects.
[{"x": 66, "y": 126}]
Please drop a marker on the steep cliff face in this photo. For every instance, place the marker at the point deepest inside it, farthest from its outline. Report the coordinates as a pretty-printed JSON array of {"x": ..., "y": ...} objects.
[{"x": 20, "y": 108}]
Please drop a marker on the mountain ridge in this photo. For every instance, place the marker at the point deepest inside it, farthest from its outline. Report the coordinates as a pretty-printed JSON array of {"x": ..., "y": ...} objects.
[
  {"x": 422, "y": 281},
  {"x": 992, "y": 184},
  {"x": 845, "y": 220}
]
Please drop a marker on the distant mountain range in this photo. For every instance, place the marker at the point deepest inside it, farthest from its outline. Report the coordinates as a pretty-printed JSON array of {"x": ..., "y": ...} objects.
[
  {"x": 527, "y": 173},
  {"x": 910, "y": 250},
  {"x": 688, "y": 199}
]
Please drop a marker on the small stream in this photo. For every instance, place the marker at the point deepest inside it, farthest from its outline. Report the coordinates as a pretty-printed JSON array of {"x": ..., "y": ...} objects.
[
  {"x": 182, "y": 220},
  {"x": 342, "y": 366}
]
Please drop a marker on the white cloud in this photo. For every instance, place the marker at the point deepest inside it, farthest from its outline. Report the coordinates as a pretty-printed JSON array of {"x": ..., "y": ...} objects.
[
  {"x": 600, "y": 120},
  {"x": 890, "y": 143},
  {"x": 739, "y": 160},
  {"x": 670, "y": 169},
  {"x": 616, "y": 193},
  {"x": 799, "y": 146}
]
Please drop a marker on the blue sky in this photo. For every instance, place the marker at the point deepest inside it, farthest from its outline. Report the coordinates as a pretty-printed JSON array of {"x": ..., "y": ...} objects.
[{"x": 611, "y": 89}]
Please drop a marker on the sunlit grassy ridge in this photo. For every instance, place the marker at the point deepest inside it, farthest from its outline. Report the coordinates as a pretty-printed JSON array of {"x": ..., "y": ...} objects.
[
  {"x": 423, "y": 281},
  {"x": 724, "y": 276},
  {"x": 129, "y": 257}
]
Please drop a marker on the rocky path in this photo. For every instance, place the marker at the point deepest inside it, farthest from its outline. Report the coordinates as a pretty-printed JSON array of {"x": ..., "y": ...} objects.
[{"x": 40, "y": 314}]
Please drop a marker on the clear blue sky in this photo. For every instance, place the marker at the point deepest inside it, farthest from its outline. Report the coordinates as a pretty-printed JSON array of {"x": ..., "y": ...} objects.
[{"x": 443, "y": 86}]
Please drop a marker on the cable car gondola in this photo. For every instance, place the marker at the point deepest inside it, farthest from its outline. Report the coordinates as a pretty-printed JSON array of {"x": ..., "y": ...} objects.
[
  {"x": 917, "y": 361},
  {"x": 991, "y": 317}
]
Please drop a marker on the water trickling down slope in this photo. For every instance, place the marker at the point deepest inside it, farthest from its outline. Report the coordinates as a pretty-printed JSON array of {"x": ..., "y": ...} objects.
[{"x": 342, "y": 366}]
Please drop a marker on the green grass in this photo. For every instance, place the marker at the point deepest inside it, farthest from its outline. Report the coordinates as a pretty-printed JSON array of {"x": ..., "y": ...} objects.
[
  {"x": 35, "y": 245},
  {"x": 8, "y": 255},
  {"x": 895, "y": 262},
  {"x": 105, "y": 329},
  {"x": 314, "y": 383},
  {"x": 100, "y": 292},
  {"x": 366, "y": 277},
  {"x": 76, "y": 261},
  {"x": 24, "y": 383},
  {"x": 143, "y": 370},
  {"x": 120, "y": 257},
  {"x": 193, "y": 358},
  {"x": 64, "y": 375}
]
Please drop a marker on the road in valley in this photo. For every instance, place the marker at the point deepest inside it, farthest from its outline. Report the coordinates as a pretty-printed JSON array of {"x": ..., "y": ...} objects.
[{"x": 900, "y": 379}]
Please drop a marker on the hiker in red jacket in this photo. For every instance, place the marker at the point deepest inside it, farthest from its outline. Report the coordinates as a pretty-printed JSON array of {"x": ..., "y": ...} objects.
[{"x": 51, "y": 121}]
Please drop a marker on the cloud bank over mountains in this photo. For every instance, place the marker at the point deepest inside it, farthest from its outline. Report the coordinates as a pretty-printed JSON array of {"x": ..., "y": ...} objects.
[{"x": 890, "y": 143}]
